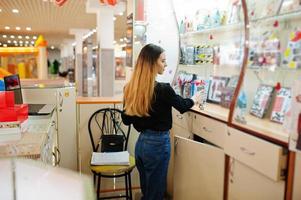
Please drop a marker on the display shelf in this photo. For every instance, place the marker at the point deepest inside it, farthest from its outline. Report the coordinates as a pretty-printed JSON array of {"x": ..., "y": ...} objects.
[
  {"x": 213, "y": 110},
  {"x": 266, "y": 128},
  {"x": 281, "y": 17},
  {"x": 224, "y": 28}
]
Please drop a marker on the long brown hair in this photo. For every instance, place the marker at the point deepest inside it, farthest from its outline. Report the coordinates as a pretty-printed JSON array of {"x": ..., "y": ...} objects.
[{"x": 139, "y": 91}]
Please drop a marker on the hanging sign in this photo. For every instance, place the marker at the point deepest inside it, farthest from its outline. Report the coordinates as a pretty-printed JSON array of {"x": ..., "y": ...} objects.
[
  {"x": 110, "y": 2},
  {"x": 60, "y": 2}
]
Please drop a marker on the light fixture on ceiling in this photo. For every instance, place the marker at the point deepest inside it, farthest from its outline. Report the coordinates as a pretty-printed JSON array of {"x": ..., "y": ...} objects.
[
  {"x": 28, "y": 28},
  {"x": 7, "y": 27},
  {"x": 26, "y": 42},
  {"x": 8, "y": 41},
  {"x": 21, "y": 42},
  {"x": 121, "y": 13},
  {"x": 20, "y": 37},
  {"x": 15, "y": 41},
  {"x": 15, "y": 10},
  {"x": 18, "y": 28},
  {"x": 27, "y": 37},
  {"x": 32, "y": 42},
  {"x": 114, "y": 18},
  {"x": 12, "y": 36},
  {"x": 34, "y": 37},
  {"x": 0, "y": 10},
  {"x": 4, "y": 36},
  {"x": 4, "y": 45},
  {"x": 52, "y": 47}
]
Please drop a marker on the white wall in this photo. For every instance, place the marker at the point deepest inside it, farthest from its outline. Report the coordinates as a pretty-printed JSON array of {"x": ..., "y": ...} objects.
[{"x": 162, "y": 30}]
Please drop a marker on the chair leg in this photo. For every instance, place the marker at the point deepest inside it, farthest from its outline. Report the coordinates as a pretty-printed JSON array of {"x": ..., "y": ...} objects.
[
  {"x": 130, "y": 185},
  {"x": 98, "y": 187},
  {"x": 126, "y": 187}
]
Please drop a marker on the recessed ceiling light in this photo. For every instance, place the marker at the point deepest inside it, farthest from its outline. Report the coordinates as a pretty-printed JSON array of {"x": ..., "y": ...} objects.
[
  {"x": 34, "y": 37},
  {"x": 8, "y": 41},
  {"x": 15, "y": 10},
  {"x": 20, "y": 37},
  {"x": 26, "y": 42},
  {"x": 0, "y": 43},
  {"x": 4, "y": 45},
  {"x": 15, "y": 41},
  {"x": 16, "y": 44},
  {"x": 18, "y": 28},
  {"x": 7, "y": 27},
  {"x": 27, "y": 37},
  {"x": 21, "y": 42},
  {"x": 32, "y": 42},
  {"x": 121, "y": 13},
  {"x": 28, "y": 28},
  {"x": 12, "y": 36},
  {"x": 4, "y": 36},
  {"x": 0, "y": 10},
  {"x": 52, "y": 47}
]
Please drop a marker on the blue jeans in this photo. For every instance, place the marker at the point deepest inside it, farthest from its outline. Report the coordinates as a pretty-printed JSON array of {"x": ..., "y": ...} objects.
[{"x": 152, "y": 155}]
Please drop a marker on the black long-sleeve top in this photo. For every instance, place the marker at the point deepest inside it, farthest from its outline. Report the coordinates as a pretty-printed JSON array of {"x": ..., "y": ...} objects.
[{"x": 160, "y": 118}]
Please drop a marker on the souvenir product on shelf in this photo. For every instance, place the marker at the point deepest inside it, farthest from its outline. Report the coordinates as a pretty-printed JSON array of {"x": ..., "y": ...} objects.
[
  {"x": 241, "y": 107},
  {"x": 234, "y": 13},
  {"x": 203, "y": 54},
  {"x": 201, "y": 86},
  {"x": 265, "y": 51},
  {"x": 228, "y": 91},
  {"x": 281, "y": 105},
  {"x": 189, "y": 57},
  {"x": 231, "y": 54},
  {"x": 292, "y": 54},
  {"x": 261, "y": 100},
  {"x": 217, "y": 83}
]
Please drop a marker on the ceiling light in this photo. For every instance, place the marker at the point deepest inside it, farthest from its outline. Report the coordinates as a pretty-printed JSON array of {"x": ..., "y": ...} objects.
[
  {"x": 21, "y": 45},
  {"x": 7, "y": 27},
  {"x": 15, "y": 10},
  {"x": 15, "y": 41},
  {"x": 4, "y": 45},
  {"x": 4, "y": 36},
  {"x": 34, "y": 37},
  {"x": 114, "y": 18},
  {"x": 0, "y": 10},
  {"x": 32, "y": 42},
  {"x": 20, "y": 37},
  {"x": 8, "y": 41},
  {"x": 21, "y": 42},
  {"x": 12, "y": 36},
  {"x": 52, "y": 47},
  {"x": 0, "y": 43},
  {"x": 26, "y": 42},
  {"x": 121, "y": 13},
  {"x": 28, "y": 28},
  {"x": 18, "y": 28},
  {"x": 27, "y": 37},
  {"x": 16, "y": 44}
]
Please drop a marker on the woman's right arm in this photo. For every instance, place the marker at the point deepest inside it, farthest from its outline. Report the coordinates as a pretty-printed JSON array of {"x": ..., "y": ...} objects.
[{"x": 176, "y": 101}]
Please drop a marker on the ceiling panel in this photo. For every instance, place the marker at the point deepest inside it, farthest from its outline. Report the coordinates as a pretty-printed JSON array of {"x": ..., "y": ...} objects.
[{"x": 48, "y": 19}]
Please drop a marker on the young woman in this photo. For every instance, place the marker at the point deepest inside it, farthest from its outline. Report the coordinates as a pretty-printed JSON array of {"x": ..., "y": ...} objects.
[{"x": 147, "y": 105}]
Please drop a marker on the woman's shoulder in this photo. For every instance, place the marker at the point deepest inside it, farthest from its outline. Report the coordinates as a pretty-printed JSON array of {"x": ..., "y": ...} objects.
[{"x": 163, "y": 88}]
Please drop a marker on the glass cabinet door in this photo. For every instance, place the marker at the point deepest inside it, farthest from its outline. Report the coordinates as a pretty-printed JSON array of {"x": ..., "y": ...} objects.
[
  {"x": 211, "y": 52},
  {"x": 273, "y": 66}
]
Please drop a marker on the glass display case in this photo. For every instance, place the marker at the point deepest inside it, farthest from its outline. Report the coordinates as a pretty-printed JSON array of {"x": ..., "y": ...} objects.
[
  {"x": 273, "y": 66},
  {"x": 211, "y": 53}
]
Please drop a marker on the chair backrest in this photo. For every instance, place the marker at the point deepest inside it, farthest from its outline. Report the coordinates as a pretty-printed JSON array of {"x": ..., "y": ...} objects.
[{"x": 107, "y": 132}]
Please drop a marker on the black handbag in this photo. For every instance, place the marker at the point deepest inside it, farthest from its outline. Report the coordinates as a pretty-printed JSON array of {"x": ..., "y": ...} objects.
[{"x": 112, "y": 143}]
